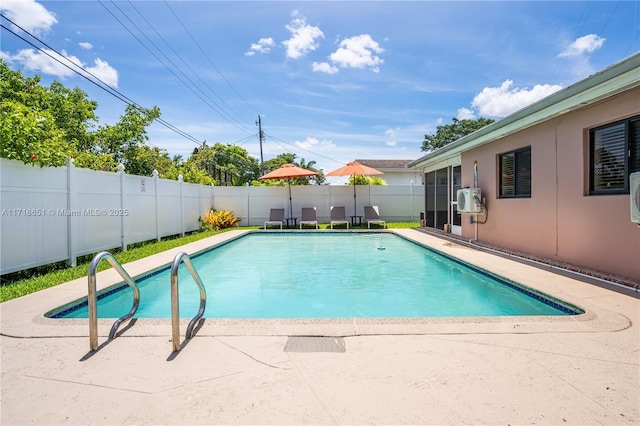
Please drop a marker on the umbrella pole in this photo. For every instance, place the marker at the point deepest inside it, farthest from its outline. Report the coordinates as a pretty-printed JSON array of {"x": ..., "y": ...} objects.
[
  {"x": 354, "y": 196},
  {"x": 290, "y": 204}
]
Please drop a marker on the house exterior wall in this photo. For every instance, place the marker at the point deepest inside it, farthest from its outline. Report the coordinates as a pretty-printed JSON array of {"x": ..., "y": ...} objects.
[
  {"x": 560, "y": 221},
  {"x": 402, "y": 177}
]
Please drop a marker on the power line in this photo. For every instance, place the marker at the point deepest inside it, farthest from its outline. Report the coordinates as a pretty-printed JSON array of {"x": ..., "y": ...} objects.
[
  {"x": 104, "y": 86},
  {"x": 244, "y": 140},
  {"x": 277, "y": 140},
  {"x": 199, "y": 93},
  {"x": 238, "y": 119},
  {"x": 208, "y": 58}
]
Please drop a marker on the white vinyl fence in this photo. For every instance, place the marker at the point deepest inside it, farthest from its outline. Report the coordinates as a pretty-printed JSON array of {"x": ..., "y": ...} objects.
[{"x": 56, "y": 214}]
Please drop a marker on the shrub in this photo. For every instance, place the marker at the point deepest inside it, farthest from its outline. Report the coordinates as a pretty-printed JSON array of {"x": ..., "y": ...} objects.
[{"x": 216, "y": 220}]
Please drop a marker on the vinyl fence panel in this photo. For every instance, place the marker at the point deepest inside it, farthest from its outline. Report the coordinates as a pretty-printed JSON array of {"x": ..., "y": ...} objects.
[
  {"x": 141, "y": 214},
  {"x": 33, "y": 201},
  {"x": 93, "y": 211},
  {"x": 56, "y": 214}
]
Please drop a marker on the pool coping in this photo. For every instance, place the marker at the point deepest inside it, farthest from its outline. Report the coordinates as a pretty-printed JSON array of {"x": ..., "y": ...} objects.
[{"x": 24, "y": 316}]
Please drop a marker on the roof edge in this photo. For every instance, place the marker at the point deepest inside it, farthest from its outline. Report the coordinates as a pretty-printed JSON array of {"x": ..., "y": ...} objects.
[{"x": 609, "y": 82}]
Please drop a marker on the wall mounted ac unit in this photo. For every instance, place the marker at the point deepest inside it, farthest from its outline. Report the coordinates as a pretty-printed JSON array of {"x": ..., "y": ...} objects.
[
  {"x": 634, "y": 191},
  {"x": 469, "y": 200}
]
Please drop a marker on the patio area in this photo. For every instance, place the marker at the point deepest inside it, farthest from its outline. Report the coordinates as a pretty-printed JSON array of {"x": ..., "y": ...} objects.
[{"x": 581, "y": 369}]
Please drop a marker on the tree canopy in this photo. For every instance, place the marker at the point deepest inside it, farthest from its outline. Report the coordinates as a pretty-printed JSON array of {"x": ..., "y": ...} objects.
[
  {"x": 365, "y": 180},
  {"x": 227, "y": 164},
  {"x": 448, "y": 133},
  {"x": 46, "y": 126},
  {"x": 289, "y": 158}
]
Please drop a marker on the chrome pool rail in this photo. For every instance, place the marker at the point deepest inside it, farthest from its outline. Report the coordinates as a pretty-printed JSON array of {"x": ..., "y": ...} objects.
[
  {"x": 175, "y": 308},
  {"x": 92, "y": 298}
]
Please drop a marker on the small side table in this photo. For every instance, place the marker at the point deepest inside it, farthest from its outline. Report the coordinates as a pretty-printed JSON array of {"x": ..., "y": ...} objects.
[
  {"x": 292, "y": 222},
  {"x": 356, "y": 220}
]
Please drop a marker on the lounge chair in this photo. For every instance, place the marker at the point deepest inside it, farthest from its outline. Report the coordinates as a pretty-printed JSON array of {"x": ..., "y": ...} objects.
[
  {"x": 338, "y": 215},
  {"x": 276, "y": 217},
  {"x": 372, "y": 215},
  {"x": 309, "y": 217}
]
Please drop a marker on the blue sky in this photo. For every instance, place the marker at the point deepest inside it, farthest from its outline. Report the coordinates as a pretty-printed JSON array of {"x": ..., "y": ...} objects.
[{"x": 332, "y": 81}]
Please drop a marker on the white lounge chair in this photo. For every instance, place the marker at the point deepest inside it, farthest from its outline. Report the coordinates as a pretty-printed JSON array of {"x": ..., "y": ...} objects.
[
  {"x": 338, "y": 215},
  {"x": 309, "y": 217},
  {"x": 372, "y": 215},
  {"x": 276, "y": 217}
]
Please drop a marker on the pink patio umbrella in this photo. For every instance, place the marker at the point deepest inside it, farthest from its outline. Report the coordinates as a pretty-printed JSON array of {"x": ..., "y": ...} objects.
[
  {"x": 288, "y": 171},
  {"x": 352, "y": 169}
]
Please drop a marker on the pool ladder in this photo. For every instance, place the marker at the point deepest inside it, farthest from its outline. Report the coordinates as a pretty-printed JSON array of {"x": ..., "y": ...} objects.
[{"x": 175, "y": 314}]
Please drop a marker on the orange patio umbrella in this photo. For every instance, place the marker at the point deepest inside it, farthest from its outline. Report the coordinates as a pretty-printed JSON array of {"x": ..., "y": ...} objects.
[
  {"x": 288, "y": 171},
  {"x": 352, "y": 169}
]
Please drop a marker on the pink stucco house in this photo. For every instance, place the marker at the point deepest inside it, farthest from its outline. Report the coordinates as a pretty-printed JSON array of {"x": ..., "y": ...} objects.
[{"x": 554, "y": 177}]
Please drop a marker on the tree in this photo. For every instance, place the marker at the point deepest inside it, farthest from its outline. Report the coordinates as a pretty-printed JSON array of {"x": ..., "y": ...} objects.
[
  {"x": 74, "y": 113},
  {"x": 230, "y": 162},
  {"x": 318, "y": 179},
  {"x": 47, "y": 125},
  {"x": 40, "y": 125},
  {"x": 190, "y": 173},
  {"x": 31, "y": 136},
  {"x": 448, "y": 133},
  {"x": 289, "y": 158},
  {"x": 365, "y": 180},
  {"x": 125, "y": 139}
]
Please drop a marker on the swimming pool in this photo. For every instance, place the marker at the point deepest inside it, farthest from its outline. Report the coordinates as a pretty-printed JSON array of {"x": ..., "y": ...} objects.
[{"x": 328, "y": 275}]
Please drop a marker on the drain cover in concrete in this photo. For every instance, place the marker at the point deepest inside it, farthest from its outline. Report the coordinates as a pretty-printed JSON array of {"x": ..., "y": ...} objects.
[{"x": 314, "y": 344}]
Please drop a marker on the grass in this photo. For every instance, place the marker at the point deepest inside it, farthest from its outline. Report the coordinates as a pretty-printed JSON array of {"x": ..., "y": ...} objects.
[{"x": 27, "y": 282}]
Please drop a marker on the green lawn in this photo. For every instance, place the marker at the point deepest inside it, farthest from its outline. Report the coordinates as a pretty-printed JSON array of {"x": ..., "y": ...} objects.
[{"x": 26, "y": 282}]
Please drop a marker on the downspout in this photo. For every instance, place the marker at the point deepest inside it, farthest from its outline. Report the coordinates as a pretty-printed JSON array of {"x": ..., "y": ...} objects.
[{"x": 474, "y": 218}]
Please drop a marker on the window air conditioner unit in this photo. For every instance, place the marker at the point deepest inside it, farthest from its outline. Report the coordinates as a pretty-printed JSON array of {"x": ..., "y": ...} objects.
[
  {"x": 469, "y": 200},
  {"x": 634, "y": 192}
]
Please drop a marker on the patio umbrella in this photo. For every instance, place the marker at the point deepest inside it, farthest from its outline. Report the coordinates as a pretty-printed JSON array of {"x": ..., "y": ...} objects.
[
  {"x": 352, "y": 169},
  {"x": 288, "y": 171}
]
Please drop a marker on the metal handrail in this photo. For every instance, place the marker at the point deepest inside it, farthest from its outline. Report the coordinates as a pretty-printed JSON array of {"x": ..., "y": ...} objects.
[
  {"x": 92, "y": 298},
  {"x": 175, "y": 309}
]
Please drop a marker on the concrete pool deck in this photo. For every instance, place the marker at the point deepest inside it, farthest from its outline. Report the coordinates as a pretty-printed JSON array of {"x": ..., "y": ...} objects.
[{"x": 582, "y": 369}]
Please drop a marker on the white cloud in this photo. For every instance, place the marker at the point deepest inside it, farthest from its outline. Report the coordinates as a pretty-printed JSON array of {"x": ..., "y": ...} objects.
[
  {"x": 504, "y": 100},
  {"x": 104, "y": 72},
  {"x": 44, "y": 62},
  {"x": 325, "y": 67},
  {"x": 31, "y": 16},
  {"x": 392, "y": 135},
  {"x": 263, "y": 45},
  {"x": 466, "y": 114},
  {"x": 358, "y": 52},
  {"x": 578, "y": 53},
  {"x": 51, "y": 63},
  {"x": 311, "y": 144},
  {"x": 85, "y": 45},
  {"x": 583, "y": 46},
  {"x": 303, "y": 36}
]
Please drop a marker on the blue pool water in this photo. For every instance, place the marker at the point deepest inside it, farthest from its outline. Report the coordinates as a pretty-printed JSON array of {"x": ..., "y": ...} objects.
[{"x": 328, "y": 275}]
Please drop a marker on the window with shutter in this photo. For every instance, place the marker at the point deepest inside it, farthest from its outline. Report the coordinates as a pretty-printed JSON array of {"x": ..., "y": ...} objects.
[
  {"x": 515, "y": 173},
  {"x": 613, "y": 155}
]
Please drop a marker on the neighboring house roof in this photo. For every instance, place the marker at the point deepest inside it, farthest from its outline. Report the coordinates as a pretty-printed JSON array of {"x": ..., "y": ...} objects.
[
  {"x": 386, "y": 164},
  {"x": 609, "y": 82}
]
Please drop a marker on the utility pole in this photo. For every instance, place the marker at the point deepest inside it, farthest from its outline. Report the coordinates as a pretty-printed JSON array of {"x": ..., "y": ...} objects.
[{"x": 261, "y": 136}]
